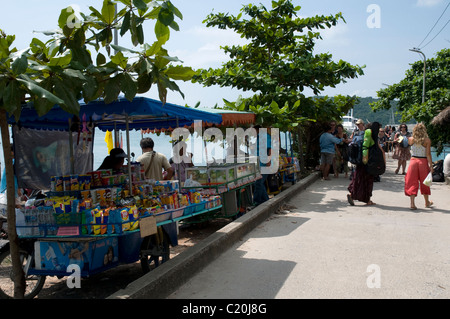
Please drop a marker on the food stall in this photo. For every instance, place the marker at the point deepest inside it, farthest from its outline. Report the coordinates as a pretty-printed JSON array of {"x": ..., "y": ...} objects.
[{"x": 97, "y": 220}]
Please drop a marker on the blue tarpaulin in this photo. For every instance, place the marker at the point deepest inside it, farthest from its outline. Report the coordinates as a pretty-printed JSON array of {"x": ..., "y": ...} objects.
[{"x": 143, "y": 113}]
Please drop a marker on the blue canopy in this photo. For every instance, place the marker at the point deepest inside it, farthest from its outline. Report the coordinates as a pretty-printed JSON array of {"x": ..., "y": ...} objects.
[{"x": 142, "y": 113}]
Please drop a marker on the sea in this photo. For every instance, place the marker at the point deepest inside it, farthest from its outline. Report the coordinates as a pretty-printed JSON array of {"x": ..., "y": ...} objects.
[{"x": 203, "y": 152}]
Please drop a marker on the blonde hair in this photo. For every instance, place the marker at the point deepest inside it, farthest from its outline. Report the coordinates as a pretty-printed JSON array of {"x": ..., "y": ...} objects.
[{"x": 419, "y": 133}]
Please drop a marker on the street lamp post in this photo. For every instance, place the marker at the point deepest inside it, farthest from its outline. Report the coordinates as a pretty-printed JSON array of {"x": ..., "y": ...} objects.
[{"x": 424, "y": 70}]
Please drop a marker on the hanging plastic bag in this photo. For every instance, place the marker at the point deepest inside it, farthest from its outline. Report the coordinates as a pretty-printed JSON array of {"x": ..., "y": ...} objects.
[{"x": 428, "y": 180}]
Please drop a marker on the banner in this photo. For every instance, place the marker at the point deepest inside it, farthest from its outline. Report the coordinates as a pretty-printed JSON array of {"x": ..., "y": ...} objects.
[{"x": 41, "y": 154}]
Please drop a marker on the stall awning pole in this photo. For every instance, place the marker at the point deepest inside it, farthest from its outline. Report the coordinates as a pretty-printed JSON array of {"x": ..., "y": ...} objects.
[
  {"x": 72, "y": 168},
  {"x": 130, "y": 182}
]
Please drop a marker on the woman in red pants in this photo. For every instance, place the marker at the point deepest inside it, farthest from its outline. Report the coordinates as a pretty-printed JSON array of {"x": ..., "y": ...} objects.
[{"x": 420, "y": 165}]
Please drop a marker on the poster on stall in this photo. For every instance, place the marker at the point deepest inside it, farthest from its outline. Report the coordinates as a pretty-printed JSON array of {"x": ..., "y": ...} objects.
[
  {"x": 41, "y": 154},
  {"x": 89, "y": 255}
]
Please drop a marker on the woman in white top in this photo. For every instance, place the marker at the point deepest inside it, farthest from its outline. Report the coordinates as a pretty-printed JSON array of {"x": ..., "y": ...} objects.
[{"x": 420, "y": 165}]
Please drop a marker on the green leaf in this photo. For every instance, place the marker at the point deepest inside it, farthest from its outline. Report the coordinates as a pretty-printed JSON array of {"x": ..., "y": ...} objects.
[
  {"x": 12, "y": 97},
  {"x": 101, "y": 59},
  {"x": 165, "y": 16},
  {"x": 112, "y": 89},
  {"x": 162, "y": 32},
  {"x": 140, "y": 4},
  {"x": 146, "y": 66},
  {"x": 75, "y": 74},
  {"x": 120, "y": 60},
  {"x": 82, "y": 56},
  {"x": 175, "y": 10},
  {"x": 62, "y": 60},
  {"x": 108, "y": 11},
  {"x": 154, "y": 49},
  {"x": 180, "y": 73},
  {"x": 125, "y": 23},
  {"x": 65, "y": 91},
  {"x": 144, "y": 83},
  {"x": 128, "y": 86},
  {"x": 42, "y": 106},
  {"x": 40, "y": 92},
  {"x": 20, "y": 65},
  {"x": 140, "y": 34},
  {"x": 97, "y": 14},
  {"x": 90, "y": 89},
  {"x": 162, "y": 91},
  {"x": 64, "y": 17}
]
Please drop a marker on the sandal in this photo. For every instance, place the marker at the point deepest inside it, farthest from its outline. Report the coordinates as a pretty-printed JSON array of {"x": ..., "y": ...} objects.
[
  {"x": 413, "y": 208},
  {"x": 429, "y": 204},
  {"x": 370, "y": 203},
  {"x": 396, "y": 171},
  {"x": 350, "y": 200}
]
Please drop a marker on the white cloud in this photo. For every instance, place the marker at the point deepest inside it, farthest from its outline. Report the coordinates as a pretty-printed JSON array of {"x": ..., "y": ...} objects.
[
  {"x": 337, "y": 35},
  {"x": 428, "y": 3},
  {"x": 201, "y": 46}
]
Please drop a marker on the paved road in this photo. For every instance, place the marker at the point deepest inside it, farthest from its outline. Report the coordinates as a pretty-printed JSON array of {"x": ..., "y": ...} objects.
[{"x": 321, "y": 247}]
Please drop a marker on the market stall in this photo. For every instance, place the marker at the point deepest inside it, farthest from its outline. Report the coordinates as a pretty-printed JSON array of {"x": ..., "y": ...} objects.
[{"x": 99, "y": 219}]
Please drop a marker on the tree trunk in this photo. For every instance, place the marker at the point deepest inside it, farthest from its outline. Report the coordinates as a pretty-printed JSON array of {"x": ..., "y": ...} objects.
[{"x": 18, "y": 275}]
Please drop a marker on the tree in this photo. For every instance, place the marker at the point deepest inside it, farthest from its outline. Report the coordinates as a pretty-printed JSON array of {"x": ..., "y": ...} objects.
[
  {"x": 278, "y": 64},
  {"x": 408, "y": 93},
  {"x": 64, "y": 69}
]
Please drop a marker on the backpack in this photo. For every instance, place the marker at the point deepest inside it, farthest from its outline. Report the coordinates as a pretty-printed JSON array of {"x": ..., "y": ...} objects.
[
  {"x": 438, "y": 171},
  {"x": 354, "y": 150},
  {"x": 274, "y": 182},
  {"x": 375, "y": 165}
]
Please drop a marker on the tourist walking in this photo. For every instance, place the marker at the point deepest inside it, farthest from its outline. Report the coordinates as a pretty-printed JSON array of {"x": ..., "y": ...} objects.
[
  {"x": 402, "y": 153},
  {"x": 420, "y": 166},
  {"x": 361, "y": 185}
]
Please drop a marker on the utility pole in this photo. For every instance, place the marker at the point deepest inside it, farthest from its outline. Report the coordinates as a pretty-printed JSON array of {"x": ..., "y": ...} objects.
[{"x": 424, "y": 70}]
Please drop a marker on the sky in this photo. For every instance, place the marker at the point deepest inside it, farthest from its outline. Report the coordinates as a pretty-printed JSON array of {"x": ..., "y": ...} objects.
[{"x": 377, "y": 33}]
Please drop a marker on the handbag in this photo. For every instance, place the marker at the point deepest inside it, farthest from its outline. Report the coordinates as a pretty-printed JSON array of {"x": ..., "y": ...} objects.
[
  {"x": 428, "y": 180},
  {"x": 405, "y": 142}
]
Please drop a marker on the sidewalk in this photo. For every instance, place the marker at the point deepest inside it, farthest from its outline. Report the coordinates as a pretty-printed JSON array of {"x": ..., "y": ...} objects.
[{"x": 321, "y": 247}]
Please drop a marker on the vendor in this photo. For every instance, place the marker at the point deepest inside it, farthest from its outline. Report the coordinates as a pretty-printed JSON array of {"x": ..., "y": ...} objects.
[
  {"x": 114, "y": 160},
  {"x": 154, "y": 162},
  {"x": 181, "y": 162}
]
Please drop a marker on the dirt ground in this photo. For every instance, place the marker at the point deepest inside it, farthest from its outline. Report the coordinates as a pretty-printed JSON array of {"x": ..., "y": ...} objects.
[{"x": 106, "y": 283}]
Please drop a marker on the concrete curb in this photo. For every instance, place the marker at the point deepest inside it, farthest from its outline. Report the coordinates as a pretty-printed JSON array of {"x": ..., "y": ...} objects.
[{"x": 164, "y": 280}]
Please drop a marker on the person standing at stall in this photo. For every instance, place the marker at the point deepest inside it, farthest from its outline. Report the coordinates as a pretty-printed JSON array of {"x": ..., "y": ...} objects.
[
  {"x": 327, "y": 150},
  {"x": 114, "y": 160},
  {"x": 154, "y": 163},
  {"x": 181, "y": 162}
]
